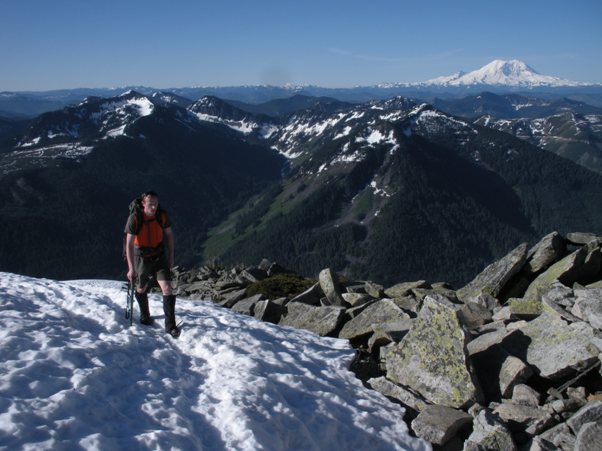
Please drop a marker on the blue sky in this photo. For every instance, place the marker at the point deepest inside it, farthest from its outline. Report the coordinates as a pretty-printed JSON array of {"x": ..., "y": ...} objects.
[{"x": 54, "y": 44}]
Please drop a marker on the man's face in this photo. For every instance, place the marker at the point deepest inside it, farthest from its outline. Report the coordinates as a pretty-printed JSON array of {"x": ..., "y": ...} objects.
[{"x": 150, "y": 204}]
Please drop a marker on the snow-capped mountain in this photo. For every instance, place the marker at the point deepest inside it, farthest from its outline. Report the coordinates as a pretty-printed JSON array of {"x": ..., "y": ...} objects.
[{"x": 512, "y": 73}]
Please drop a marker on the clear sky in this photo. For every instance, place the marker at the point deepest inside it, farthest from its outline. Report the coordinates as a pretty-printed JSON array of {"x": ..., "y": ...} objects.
[{"x": 54, "y": 44}]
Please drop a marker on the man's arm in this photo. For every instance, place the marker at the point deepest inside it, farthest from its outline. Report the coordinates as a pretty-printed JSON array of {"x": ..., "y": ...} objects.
[
  {"x": 170, "y": 246},
  {"x": 129, "y": 253}
]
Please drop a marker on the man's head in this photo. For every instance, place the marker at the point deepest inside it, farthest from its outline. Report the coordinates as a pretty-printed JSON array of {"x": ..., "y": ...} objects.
[{"x": 150, "y": 202}]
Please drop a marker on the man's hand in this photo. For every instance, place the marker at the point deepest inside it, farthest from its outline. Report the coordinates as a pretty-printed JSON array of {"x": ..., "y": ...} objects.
[{"x": 131, "y": 275}]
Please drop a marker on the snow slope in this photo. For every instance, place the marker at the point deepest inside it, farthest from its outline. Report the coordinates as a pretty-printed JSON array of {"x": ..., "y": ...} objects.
[{"x": 74, "y": 375}]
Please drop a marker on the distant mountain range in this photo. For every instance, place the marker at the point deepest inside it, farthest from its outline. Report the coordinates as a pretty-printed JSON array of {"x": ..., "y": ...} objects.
[
  {"x": 388, "y": 189},
  {"x": 497, "y": 76}
]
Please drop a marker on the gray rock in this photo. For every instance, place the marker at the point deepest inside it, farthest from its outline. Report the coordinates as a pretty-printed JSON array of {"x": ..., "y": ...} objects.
[
  {"x": 513, "y": 372},
  {"x": 525, "y": 308},
  {"x": 438, "y": 424},
  {"x": 548, "y": 251},
  {"x": 387, "y": 333},
  {"x": 408, "y": 303},
  {"x": 580, "y": 238},
  {"x": 494, "y": 277},
  {"x": 401, "y": 290},
  {"x": 525, "y": 395},
  {"x": 432, "y": 358},
  {"x": 475, "y": 316},
  {"x": 588, "y": 306},
  {"x": 379, "y": 313},
  {"x": 558, "y": 299},
  {"x": 232, "y": 298},
  {"x": 269, "y": 311},
  {"x": 311, "y": 296},
  {"x": 499, "y": 372},
  {"x": 556, "y": 438},
  {"x": 324, "y": 321},
  {"x": 392, "y": 390},
  {"x": 591, "y": 412},
  {"x": 375, "y": 290},
  {"x": 567, "y": 271},
  {"x": 356, "y": 299},
  {"x": 330, "y": 286},
  {"x": 523, "y": 417},
  {"x": 486, "y": 341},
  {"x": 352, "y": 312},
  {"x": 589, "y": 437},
  {"x": 489, "y": 434},
  {"x": 553, "y": 347},
  {"x": 246, "y": 306}
]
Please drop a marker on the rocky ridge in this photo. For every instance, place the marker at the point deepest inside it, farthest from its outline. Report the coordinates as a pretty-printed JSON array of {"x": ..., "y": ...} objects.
[{"x": 509, "y": 361}]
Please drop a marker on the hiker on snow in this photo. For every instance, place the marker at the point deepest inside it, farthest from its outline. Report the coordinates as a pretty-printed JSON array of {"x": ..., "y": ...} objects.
[{"x": 146, "y": 227}]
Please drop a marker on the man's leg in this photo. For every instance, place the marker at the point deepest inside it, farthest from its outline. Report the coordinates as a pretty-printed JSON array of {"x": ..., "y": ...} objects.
[
  {"x": 169, "y": 302},
  {"x": 143, "y": 271}
]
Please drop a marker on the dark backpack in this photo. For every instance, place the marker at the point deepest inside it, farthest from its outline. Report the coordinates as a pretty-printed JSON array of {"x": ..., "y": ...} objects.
[{"x": 137, "y": 209}]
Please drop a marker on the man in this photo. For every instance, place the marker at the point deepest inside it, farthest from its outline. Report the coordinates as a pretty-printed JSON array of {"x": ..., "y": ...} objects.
[{"x": 146, "y": 258}]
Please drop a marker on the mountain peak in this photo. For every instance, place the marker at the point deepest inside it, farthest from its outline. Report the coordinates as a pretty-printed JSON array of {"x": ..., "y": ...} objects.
[{"x": 509, "y": 73}]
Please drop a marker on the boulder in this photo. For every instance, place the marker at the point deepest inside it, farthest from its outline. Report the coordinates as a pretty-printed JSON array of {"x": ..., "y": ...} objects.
[
  {"x": 580, "y": 238},
  {"x": 233, "y": 297},
  {"x": 403, "y": 289},
  {"x": 567, "y": 271},
  {"x": 499, "y": 372},
  {"x": 269, "y": 311},
  {"x": 387, "y": 333},
  {"x": 548, "y": 251},
  {"x": 591, "y": 412},
  {"x": 494, "y": 277},
  {"x": 438, "y": 424},
  {"x": 560, "y": 299},
  {"x": 512, "y": 373},
  {"x": 432, "y": 358},
  {"x": 556, "y": 438},
  {"x": 408, "y": 303},
  {"x": 311, "y": 296},
  {"x": 330, "y": 286},
  {"x": 525, "y": 395},
  {"x": 247, "y": 305},
  {"x": 524, "y": 418},
  {"x": 589, "y": 437},
  {"x": 552, "y": 346},
  {"x": 379, "y": 313},
  {"x": 392, "y": 390},
  {"x": 588, "y": 306},
  {"x": 356, "y": 299},
  {"x": 475, "y": 315},
  {"x": 375, "y": 290},
  {"x": 324, "y": 321},
  {"x": 489, "y": 433}
]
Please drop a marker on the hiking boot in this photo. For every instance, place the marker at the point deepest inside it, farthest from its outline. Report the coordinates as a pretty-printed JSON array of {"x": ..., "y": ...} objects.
[
  {"x": 145, "y": 317},
  {"x": 169, "y": 308},
  {"x": 174, "y": 331},
  {"x": 147, "y": 320}
]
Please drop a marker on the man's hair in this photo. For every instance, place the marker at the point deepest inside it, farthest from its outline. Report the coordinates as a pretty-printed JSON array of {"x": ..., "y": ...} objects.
[{"x": 149, "y": 193}]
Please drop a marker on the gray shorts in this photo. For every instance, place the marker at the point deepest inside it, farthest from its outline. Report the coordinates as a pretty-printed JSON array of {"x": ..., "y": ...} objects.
[{"x": 150, "y": 268}]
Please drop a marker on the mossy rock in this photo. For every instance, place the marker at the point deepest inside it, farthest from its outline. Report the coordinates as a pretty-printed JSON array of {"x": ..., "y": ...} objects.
[
  {"x": 280, "y": 285},
  {"x": 525, "y": 307}
]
